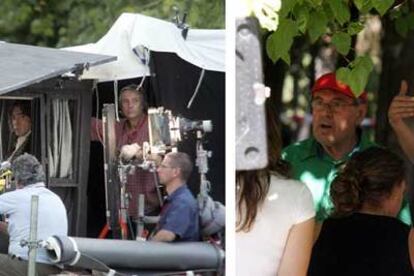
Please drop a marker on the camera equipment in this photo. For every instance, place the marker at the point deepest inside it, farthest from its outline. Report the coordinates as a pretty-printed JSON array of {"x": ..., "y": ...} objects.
[
  {"x": 112, "y": 182},
  {"x": 166, "y": 130}
]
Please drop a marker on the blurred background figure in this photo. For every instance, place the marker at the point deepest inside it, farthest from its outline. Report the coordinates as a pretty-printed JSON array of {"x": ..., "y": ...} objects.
[
  {"x": 21, "y": 126},
  {"x": 16, "y": 206},
  {"x": 363, "y": 236},
  {"x": 275, "y": 216},
  {"x": 401, "y": 109}
]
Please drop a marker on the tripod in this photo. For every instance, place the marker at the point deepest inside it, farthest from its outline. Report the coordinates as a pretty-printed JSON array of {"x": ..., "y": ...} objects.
[{"x": 123, "y": 217}]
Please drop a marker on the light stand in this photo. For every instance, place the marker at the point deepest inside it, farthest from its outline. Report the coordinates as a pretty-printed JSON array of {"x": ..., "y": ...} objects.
[
  {"x": 202, "y": 164},
  {"x": 123, "y": 171}
]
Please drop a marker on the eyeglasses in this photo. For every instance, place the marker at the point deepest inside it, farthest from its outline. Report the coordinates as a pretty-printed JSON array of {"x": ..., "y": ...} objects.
[{"x": 334, "y": 106}]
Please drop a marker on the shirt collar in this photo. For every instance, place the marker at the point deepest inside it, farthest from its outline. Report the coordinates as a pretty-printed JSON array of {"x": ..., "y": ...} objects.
[
  {"x": 177, "y": 192},
  {"x": 137, "y": 126},
  {"x": 315, "y": 149},
  {"x": 35, "y": 185},
  {"x": 22, "y": 139}
]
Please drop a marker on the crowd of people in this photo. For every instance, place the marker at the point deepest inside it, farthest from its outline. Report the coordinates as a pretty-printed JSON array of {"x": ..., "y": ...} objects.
[
  {"x": 333, "y": 204},
  {"x": 178, "y": 215}
]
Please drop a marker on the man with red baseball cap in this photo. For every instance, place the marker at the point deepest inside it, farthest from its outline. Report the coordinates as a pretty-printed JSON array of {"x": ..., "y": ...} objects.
[{"x": 337, "y": 114}]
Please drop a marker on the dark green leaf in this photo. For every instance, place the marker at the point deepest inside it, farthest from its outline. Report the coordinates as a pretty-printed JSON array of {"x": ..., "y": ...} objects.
[
  {"x": 357, "y": 77},
  {"x": 340, "y": 10},
  {"x": 343, "y": 74},
  {"x": 301, "y": 13},
  {"x": 314, "y": 3},
  {"x": 401, "y": 26},
  {"x": 287, "y": 7},
  {"x": 382, "y": 5},
  {"x": 317, "y": 25},
  {"x": 410, "y": 21},
  {"x": 354, "y": 28},
  {"x": 278, "y": 43},
  {"x": 363, "y": 6},
  {"x": 342, "y": 42}
]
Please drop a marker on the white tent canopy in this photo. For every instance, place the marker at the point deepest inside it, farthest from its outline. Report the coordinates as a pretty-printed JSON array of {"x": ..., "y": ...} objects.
[{"x": 132, "y": 33}]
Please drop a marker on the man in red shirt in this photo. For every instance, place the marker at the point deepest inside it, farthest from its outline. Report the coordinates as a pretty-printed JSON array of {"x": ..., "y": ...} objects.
[{"x": 132, "y": 131}]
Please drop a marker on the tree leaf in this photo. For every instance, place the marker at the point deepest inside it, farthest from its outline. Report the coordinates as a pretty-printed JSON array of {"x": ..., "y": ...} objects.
[
  {"x": 301, "y": 13},
  {"x": 287, "y": 7},
  {"x": 357, "y": 77},
  {"x": 314, "y": 3},
  {"x": 363, "y": 6},
  {"x": 342, "y": 42},
  {"x": 343, "y": 74},
  {"x": 401, "y": 26},
  {"x": 340, "y": 10},
  {"x": 317, "y": 25},
  {"x": 354, "y": 28},
  {"x": 360, "y": 73},
  {"x": 382, "y": 5},
  {"x": 278, "y": 43},
  {"x": 410, "y": 21}
]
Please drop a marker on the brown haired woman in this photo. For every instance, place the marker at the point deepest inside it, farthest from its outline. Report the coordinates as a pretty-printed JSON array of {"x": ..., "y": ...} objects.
[
  {"x": 363, "y": 236},
  {"x": 275, "y": 217}
]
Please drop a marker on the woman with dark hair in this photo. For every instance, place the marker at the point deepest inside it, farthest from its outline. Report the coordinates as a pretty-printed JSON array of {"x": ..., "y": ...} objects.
[
  {"x": 363, "y": 236},
  {"x": 275, "y": 217}
]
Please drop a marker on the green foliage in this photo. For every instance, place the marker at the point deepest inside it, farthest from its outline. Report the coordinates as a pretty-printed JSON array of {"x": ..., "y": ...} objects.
[
  {"x": 354, "y": 28},
  {"x": 340, "y": 10},
  {"x": 279, "y": 42},
  {"x": 342, "y": 42},
  {"x": 317, "y": 25},
  {"x": 317, "y": 19},
  {"x": 302, "y": 15},
  {"x": 404, "y": 20},
  {"x": 382, "y": 6},
  {"x": 356, "y": 74},
  {"x": 287, "y": 7},
  {"x": 56, "y": 23},
  {"x": 363, "y": 6}
]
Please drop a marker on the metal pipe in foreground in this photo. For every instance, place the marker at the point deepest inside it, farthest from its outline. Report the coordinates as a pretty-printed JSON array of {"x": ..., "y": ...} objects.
[
  {"x": 142, "y": 255},
  {"x": 31, "y": 271}
]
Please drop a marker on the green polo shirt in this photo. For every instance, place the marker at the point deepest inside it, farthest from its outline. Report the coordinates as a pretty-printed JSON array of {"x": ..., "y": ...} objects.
[{"x": 311, "y": 165}]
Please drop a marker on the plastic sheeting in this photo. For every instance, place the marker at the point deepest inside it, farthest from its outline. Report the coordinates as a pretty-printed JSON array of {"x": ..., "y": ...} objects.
[{"x": 132, "y": 32}]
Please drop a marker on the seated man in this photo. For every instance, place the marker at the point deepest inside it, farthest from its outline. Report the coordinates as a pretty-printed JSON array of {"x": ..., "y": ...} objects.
[
  {"x": 16, "y": 205},
  {"x": 179, "y": 215},
  {"x": 21, "y": 124}
]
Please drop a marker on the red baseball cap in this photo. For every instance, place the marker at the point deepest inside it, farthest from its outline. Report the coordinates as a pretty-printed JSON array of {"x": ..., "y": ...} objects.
[{"x": 329, "y": 82}]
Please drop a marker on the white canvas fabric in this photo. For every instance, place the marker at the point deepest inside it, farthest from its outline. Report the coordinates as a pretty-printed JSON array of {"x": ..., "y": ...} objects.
[{"x": 132, "y": 32}]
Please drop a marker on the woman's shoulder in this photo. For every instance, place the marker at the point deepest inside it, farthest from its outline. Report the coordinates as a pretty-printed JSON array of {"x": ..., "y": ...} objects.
[
  {"x": 280, "y": 182},
  {"x": 294, "y": 196}
]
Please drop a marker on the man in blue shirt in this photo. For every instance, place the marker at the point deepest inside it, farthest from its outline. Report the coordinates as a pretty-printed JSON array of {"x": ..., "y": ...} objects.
[{"x": 179, "y": 215}]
